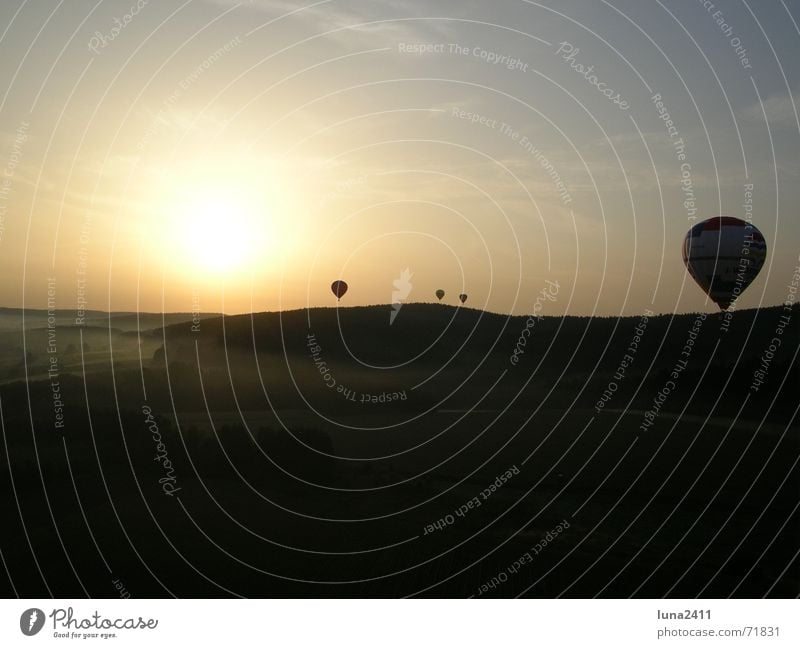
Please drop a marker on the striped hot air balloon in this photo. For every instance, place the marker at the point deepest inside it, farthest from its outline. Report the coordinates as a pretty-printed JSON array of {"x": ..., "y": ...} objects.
[{"x": 724, "y": 255}]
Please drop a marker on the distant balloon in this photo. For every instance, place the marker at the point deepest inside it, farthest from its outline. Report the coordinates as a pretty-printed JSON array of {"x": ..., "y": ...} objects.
[
  {"x": 440, "y": 294},
  {"x": 462, "y": 297},
  {"x": 339, "y": 288},
  {"x": 724, "y": 255}
]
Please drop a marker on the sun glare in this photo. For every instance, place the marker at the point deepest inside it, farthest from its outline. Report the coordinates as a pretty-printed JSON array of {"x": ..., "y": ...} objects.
[
  {"x": 221, "y": 225},
  {"x": 220, "y": 231}
]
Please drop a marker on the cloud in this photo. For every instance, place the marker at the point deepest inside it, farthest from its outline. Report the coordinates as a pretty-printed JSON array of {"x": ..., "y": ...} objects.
[
  {"x": 782, "y": 111},
  {"x": 393, "y": 20}
]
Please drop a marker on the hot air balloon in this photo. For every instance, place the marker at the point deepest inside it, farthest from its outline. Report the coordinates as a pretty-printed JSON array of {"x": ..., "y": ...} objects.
[
  {"x": 724, "y": 255},
  {"x": 339, "y": 288},
  {"x": 462, "y": 297},
  {"x": 440, "y": 294}
]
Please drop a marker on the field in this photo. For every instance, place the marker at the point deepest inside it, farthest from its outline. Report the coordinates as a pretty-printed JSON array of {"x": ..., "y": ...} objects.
[{"x": 407, "y": 460}]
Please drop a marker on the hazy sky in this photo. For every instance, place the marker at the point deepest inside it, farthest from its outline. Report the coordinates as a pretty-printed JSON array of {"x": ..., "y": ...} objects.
[{"x": 236, "y": 156}]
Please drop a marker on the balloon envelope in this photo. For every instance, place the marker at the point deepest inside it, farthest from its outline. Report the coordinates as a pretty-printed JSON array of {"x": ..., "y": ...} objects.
[
  {"x": 724, "y": 255},
  {"x": 462, "y": 297},
  {"x": 339, "y": 288},
  {"x": 440, "y": 294}
]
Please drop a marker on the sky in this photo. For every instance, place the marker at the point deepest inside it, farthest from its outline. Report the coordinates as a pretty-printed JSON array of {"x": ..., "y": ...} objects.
[{"x": 240, "y": 156}]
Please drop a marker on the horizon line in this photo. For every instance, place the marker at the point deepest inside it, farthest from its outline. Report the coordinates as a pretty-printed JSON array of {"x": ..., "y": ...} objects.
[{"x": 217, "y": 314}]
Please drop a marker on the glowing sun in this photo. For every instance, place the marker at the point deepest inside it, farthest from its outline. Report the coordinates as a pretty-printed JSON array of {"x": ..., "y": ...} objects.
[
  {"x": 222, "y": 219},
  {"x": 221, "y": 230}
]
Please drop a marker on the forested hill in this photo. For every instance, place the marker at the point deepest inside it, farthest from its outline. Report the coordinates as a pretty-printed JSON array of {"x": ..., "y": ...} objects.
[{"x": 577, "y": 356}]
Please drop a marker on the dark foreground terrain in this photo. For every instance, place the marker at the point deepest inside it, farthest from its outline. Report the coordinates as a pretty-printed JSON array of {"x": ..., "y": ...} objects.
[{"x": 329, "y": 453}]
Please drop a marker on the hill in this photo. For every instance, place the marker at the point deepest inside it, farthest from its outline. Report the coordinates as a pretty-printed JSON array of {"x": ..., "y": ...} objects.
[
  {"x": 434, "y": 349},
  {"x": 345, "y": 462},
  {"x": 14, "y": 319}
]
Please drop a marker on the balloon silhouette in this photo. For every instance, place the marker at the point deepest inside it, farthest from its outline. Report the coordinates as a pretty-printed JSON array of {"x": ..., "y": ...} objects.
[
  {"x": 440, "y": 294},
  {"x": 724, "y": 255},
  {"x": 462, "y": 297},
  {"x": 339, "y": 288}
]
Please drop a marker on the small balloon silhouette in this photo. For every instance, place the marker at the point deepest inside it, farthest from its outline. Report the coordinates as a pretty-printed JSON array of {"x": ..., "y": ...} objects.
[
  {"x": 440, "y": 294},
  {"x": 339, "y": 288},
  {"x": 462, "y": 297}
]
